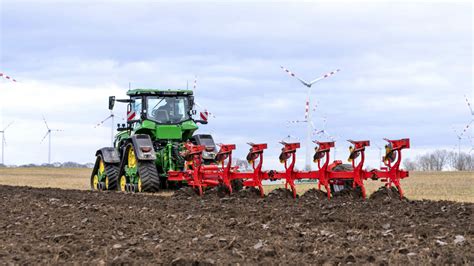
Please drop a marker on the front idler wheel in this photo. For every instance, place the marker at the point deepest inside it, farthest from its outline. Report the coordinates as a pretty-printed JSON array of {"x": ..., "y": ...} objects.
[{"x": 104, "y": 175}]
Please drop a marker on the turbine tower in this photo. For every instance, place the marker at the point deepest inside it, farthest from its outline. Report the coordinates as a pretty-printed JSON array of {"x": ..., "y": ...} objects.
[
  {"x": 308, "y": 121},
  {"x": 4, "y": 142},
  {"x": 48, "y": 134}
]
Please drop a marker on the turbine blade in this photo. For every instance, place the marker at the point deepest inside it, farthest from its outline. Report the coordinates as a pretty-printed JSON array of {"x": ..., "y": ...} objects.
[
  {"x": 103, "y": 121},
  {"x": 47, "y": 133},
  {"x": 195, "y": 83},
  {"x": 327, "y": 75},
  {"x": 44, "y": 119},
  {"x": 465, "y": 129},
  {"x": 8, "y": 125},
  {"x": 198, "y": 105},
  {"x": 7, "y": 77},
  {"x": 469, "y": 105},
  {"x": 293, "y": 75}
]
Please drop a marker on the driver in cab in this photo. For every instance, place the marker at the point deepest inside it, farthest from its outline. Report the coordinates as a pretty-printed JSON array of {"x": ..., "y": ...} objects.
[{"x": 167, "y": 112}]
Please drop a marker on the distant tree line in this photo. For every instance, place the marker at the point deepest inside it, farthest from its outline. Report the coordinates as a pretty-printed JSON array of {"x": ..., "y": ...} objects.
[
  {"x": 439, "y": 160},
  {"x": 53, "y": 165}
]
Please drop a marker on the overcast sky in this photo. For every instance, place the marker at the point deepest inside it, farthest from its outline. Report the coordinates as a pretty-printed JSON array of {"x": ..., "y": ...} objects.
[{"x": 405, "y": 68}]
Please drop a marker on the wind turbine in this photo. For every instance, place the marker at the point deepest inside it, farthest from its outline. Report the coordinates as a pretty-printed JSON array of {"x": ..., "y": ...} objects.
[
  {"x": 324, "y": 132},
  {"x": 203, "y": 114},
  {"x": 4, "y": 142},
  {"x": 111, "y": 116},
  {"x": 308, "y": 121},
  {"x": 48, "y": 134}
]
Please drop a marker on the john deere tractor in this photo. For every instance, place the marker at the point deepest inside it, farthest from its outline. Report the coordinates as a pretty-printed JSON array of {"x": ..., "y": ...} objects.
[{"x": 159, "y": 122}]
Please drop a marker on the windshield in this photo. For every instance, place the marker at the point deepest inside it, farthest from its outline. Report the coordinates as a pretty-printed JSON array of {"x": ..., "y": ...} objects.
[{"x": 168, "y": 110}]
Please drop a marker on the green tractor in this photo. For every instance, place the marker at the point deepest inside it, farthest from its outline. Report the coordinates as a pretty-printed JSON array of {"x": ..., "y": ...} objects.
[{"x": 159, "y": 122}]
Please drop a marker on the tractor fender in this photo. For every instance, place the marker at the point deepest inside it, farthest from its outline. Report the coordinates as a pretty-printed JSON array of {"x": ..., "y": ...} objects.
[
  {"x": 109, "y": 155},
  {"x": 143, "y": 147}
]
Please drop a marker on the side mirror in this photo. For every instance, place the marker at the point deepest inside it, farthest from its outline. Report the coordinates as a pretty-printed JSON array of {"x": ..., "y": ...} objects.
[
  {"x": 111, "y": 102},
  {"x": 191, "y": 101}
]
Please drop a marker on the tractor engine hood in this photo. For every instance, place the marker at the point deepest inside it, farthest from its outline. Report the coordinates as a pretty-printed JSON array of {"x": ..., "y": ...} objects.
[{"x": 162, "y": 131}]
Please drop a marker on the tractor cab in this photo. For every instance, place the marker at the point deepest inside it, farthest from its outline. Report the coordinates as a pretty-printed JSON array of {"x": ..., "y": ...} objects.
[{"x": 164, "y": 107}]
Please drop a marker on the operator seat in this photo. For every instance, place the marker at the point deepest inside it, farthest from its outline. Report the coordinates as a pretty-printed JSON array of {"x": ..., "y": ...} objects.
[{"x": 161, "y": 116}]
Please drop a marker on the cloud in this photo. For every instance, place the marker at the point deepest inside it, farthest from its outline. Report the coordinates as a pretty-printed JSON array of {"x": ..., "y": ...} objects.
[{"x": 405, "y": 69}]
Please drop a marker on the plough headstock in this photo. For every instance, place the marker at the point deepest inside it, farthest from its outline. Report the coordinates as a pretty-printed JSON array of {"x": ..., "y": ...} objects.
[{"x": 194, "y": 149}]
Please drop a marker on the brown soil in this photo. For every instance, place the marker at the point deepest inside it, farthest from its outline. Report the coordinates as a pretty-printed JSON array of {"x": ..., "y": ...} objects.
[{"x": 53, "y": 226}]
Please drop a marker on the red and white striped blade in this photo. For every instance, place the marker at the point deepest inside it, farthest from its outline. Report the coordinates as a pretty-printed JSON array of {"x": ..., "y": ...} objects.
[
  {"x": 293, "y": 75},
  {"x": 327, "y": 75},
  {"x": 195, "y": 83},
  {"x": 465, "y": 129},
  {"x": 7, "y": 77},
  {"x": 469, "y": 105}
]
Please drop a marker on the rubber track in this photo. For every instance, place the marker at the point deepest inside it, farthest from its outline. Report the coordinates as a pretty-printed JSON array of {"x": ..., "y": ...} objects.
[
  {"x": 94, "y": 171},
  {"x": 149, "y": 175},
  {"x": 112, "y": 171}
]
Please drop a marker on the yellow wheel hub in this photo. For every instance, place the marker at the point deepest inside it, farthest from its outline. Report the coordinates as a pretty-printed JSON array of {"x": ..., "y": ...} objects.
[
  {"x": 101, "y": 167},
  {"x": 139, "y": 185},
  {"x": 107, "y": 182},
  {"x": 132, "y": 160},
  {"x": 123, "y": 183},
  {"x": 95, "y": 182}
]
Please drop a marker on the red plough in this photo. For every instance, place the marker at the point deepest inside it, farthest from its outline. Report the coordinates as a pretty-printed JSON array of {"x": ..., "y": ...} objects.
[{"x": 200, "y": 176}]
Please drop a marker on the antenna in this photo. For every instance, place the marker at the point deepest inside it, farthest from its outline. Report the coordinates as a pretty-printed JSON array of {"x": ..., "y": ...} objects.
[
  {"x": 48, "y": 134},
  {"x": 308, "y": 121},
  {"x": 4, "y": 142}
]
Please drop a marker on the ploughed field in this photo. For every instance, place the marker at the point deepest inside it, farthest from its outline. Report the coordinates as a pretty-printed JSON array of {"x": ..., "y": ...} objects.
[{"x": 49, "y": 225}]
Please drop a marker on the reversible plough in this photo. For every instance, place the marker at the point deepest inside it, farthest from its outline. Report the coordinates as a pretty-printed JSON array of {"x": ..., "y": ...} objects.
[{"x": 200, "y": 176}]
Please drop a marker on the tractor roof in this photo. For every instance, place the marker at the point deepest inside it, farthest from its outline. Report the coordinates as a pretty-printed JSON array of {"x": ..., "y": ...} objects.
[{"x": 159, "y": 92}]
